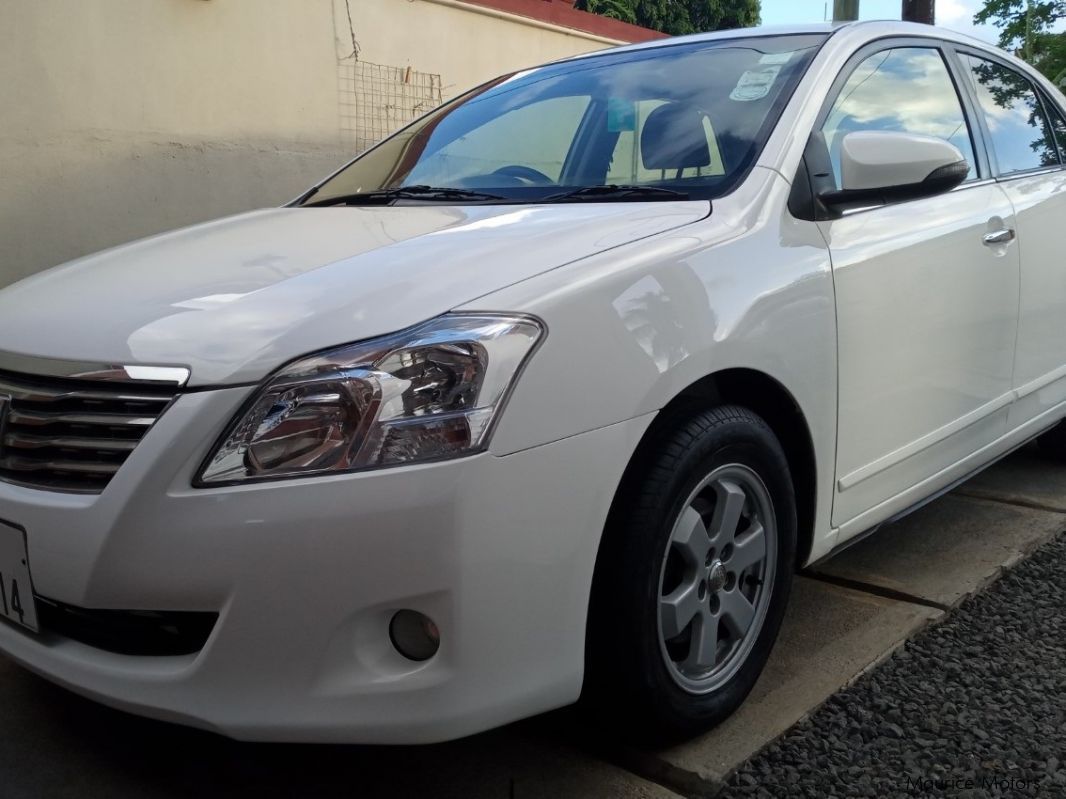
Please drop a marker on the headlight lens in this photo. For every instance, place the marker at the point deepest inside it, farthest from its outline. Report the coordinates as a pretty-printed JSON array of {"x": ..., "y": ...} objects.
[{"x": 428, "y": 393}]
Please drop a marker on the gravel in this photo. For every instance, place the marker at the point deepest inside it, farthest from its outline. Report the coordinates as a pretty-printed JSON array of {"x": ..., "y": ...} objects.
[{"x": 972, "y": 707}]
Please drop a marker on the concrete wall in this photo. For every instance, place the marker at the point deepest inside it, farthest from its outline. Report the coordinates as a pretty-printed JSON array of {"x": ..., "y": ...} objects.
[{"x": 123, "y": 118}]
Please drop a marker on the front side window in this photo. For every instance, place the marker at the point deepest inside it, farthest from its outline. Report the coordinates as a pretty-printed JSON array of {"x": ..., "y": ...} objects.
[
  {"x": 905, "y": 89},
  {"x": 1020, "y": 135},
  {"x": 689, "y": 118}
]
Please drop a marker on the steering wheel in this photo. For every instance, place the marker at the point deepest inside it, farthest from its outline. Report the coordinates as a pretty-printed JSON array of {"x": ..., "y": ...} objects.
[{"x": 526, "y": 174}]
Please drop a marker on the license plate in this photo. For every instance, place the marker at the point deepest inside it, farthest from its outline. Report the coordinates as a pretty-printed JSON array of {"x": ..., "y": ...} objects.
[{"x": 16, "y": 589}]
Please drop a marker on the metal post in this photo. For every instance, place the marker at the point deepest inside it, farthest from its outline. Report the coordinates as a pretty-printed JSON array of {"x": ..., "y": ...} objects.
[
  {"x": 919, "y": 11},
  {"x": 1029, "y": 31},
  {"x": 845, "y": 10}
]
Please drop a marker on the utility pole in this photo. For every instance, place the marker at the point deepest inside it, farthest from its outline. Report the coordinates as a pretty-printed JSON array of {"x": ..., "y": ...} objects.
[
  {"x": 845, "y": 10},
  {"x": 919, "y": 11},
  {"x": 1029, "y": 31}
]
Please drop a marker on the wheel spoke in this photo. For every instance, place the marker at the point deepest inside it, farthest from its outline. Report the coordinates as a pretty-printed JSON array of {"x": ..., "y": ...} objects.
[
  {"x": 748, "y": 549},
  {"x": 703, "y": 648},
  {"x": 677, "y": 609},
  {"x": 723, "y": 526},
  {"x": 690, "y": 537},
  {"x": 736, "y": 612},
  {"x": 716, "y": 577}
]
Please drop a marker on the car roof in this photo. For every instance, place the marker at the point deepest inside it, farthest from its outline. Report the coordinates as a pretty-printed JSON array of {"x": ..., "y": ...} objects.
[
  {"x": 855, "y": 31},
  {"x": 842, "y": 38}
]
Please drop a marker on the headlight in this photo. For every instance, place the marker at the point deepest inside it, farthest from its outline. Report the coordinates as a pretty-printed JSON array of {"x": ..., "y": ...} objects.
[{"x": 428, "y": 393}]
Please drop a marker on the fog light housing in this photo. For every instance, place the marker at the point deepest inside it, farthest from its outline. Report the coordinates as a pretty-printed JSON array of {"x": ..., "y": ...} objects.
[{"x": 414, "y": 635}]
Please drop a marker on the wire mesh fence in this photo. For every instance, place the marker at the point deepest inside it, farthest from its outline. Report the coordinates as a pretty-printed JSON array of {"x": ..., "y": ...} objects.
[{"x": 376, "y": 100}]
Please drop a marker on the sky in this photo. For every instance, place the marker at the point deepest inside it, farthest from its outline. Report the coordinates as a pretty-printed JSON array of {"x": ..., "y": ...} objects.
[{"x": 954, "y": 14}]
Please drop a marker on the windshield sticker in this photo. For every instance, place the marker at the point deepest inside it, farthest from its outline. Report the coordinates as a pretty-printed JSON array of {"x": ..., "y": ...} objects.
[
  {"x": 755, "y": 84},
  {"x": 775, "y": 58},
  {"x": 621, "y": 115}
]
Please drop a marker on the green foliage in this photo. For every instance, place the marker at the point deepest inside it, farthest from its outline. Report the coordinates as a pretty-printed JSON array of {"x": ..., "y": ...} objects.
[
  {"x": 678, "y": 17},
  {"x": 1014, "y": 17},
  {"x": 616, "y": 9},
  {"x": 1026, "y": 29},
  {"x": 1053, "y": 57}
]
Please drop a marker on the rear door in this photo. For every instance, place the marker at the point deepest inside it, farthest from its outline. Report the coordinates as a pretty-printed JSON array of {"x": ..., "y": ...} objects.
[
  {"x": 926, "y": 306},
  {"x": 1026, "y": 132}
]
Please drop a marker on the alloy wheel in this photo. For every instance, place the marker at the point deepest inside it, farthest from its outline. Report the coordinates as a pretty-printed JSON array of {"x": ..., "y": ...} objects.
[{"x": 716, "y": 578}]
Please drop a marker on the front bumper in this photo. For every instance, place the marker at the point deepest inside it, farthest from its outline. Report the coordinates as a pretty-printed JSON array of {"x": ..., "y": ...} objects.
[{"x": 306, "y": 574}]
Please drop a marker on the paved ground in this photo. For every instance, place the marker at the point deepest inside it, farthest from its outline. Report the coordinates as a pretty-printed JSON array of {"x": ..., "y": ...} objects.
[
  {"x": 975, "y": 706},
  {"x": 845, "y": 617}
]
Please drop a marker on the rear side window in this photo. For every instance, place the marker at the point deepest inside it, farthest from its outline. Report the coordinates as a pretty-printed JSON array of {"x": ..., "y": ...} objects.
[
  {"x": 1058, "y": 125},
  {"x": 905, "y": 89},
  {"x": 1021, "y": 137}
]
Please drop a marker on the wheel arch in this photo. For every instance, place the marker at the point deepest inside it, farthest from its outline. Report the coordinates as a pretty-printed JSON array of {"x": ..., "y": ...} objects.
[
  {"x": 771, "y": 400},
  {"x": 749, "y": 388}
]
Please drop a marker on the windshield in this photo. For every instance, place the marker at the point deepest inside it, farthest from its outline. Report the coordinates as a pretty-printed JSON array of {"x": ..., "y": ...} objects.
[{"x": 688, "y": 118}]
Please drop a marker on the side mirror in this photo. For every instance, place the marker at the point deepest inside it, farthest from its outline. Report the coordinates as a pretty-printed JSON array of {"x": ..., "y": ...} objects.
[{"x": 878, "y": 167}]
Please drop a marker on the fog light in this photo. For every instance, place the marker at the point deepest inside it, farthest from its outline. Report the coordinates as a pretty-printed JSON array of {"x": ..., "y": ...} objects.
[{"x": 414, "y": 635}]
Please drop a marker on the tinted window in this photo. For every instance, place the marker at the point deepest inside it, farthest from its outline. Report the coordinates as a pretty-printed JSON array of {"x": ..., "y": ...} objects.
[
  {"x": 906, "y": 89},
  {"x": 1016, "y": 123},
  {"x": 1058, "y": 124},
  {"x": 690, "y": 117}
]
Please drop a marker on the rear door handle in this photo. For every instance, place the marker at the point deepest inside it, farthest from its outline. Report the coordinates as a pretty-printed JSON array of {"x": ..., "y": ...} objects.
[{"x": 1005, "y": 236}]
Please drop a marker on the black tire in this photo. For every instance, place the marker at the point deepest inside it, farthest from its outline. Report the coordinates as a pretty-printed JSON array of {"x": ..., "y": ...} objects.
[
  {"x": 1053, "y": 443},
  {"x": 628, "y": 680}
]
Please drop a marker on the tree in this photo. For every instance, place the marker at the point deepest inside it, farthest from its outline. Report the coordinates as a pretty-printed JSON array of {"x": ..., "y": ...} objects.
[
  {"x": 678, "y": 17},
  {"x": 1026, "y": 29},
  {"x": 616, "y": 9}
]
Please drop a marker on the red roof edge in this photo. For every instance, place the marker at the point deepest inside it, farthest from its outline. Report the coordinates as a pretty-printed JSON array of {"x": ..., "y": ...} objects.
[{"x": 563, "y": 14}]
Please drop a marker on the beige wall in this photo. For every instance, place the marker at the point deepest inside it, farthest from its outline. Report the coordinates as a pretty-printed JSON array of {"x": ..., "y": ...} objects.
[
  {"x": 122, "y": 118},
  {"x": 466, "y": 45}
]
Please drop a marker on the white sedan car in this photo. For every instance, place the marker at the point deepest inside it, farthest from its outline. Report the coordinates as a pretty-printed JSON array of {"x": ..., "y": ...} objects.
[{"x": 545, "y": 396}]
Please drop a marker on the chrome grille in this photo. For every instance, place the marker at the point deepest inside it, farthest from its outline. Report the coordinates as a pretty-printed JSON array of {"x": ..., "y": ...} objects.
[{"x": 69, "y": 434}]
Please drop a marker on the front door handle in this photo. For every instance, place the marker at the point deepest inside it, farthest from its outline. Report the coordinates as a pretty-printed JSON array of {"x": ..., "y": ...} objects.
[{"x": 1005, "y": 236}]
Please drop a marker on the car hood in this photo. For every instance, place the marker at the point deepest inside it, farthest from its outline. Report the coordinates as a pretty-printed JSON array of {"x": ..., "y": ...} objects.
[{"x": 234, "y": 299}]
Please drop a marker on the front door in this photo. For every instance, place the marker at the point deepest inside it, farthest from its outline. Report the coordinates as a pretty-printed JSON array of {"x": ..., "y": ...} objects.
[{"x": 926, "y": 299}]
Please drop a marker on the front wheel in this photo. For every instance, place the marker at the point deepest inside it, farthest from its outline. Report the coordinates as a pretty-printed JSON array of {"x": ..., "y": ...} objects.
[{"x": 693, "y": 576}]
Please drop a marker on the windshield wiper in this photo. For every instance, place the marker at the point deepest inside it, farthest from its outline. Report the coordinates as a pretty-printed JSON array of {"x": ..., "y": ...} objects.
[
  {"x": 612, "y": 192},
  {"x": 405, "y": 193}
]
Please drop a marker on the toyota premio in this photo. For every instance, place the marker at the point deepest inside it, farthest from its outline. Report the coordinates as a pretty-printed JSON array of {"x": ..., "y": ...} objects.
[{"x": 545, "y": 397}]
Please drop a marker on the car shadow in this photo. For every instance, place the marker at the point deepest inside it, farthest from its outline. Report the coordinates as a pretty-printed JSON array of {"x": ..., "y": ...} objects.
[{"x": 58, "y": 744}]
